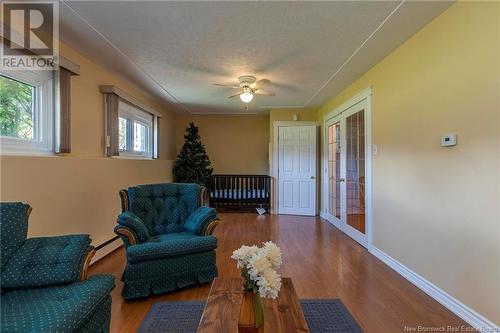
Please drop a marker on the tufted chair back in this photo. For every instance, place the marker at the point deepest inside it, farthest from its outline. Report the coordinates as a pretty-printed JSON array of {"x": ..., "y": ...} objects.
[
  {"x": 13, "y": 228},
  {"x": 164, "y": 207}
]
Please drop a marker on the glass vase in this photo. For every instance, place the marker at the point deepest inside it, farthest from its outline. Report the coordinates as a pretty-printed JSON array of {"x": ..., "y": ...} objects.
[{"x": 251, "y": 313}]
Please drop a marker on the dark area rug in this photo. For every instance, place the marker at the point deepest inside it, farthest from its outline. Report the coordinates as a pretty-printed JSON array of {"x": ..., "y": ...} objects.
[{"x": 322, "y": 316}]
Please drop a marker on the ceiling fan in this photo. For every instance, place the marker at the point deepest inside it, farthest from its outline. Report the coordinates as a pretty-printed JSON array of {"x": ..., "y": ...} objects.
[{"x": 248, "y": 87}]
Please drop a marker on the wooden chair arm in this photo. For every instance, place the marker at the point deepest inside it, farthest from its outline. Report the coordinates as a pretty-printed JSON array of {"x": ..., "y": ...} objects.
[
  {"x": 86, "y": 263},
  {"x": 126, "y": 235},
  {"x": 204, "y": 197},
  {"x": 211, "y": 227},
  {"x": 124, "y": 200}
]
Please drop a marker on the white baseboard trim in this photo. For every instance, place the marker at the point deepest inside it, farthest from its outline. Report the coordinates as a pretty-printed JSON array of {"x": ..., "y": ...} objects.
[
  {"x": 104, "y": 251},
  {"x": 475, "y": 319},
  {"x": 322, "y": 214}
]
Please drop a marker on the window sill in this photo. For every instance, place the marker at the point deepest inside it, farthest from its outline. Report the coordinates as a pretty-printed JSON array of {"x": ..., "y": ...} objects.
[
  {"x": 27, "y": 153},
  {"x": 133, "y": 157}
]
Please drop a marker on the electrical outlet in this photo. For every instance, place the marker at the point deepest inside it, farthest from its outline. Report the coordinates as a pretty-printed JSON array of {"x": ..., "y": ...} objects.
[{"x": 449, "y": 140}]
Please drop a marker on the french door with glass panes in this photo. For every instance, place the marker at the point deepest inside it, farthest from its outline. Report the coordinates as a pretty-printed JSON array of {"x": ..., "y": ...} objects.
[{"x": 345, "y": 168}]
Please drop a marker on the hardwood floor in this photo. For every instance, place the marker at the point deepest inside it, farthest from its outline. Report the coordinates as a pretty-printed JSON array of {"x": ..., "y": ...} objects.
[{"x": 322, "y": 262}]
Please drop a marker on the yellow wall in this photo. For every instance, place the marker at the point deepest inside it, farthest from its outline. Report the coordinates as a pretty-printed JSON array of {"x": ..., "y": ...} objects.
[
  {"x": 436, "y": 210},
  {"x": 305, "y": 114},
  {"x": 235, "y": 144},
  {"x": 78, "y": 193}
]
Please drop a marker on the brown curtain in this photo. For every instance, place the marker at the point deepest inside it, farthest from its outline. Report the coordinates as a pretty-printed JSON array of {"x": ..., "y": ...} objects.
[
  {"x": 156, "y": 137},
  {"x": 111, "y": 107},
  {"x": 63, "y": 135}
]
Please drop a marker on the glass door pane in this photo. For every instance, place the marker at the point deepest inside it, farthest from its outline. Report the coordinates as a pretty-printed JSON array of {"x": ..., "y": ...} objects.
[
  {"x": 334, "y": 170},
  {"x": 355, "y": 171}
]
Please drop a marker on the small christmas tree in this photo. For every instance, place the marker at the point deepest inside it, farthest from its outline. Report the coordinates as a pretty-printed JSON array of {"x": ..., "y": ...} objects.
[{"x": 192, "y": 164}]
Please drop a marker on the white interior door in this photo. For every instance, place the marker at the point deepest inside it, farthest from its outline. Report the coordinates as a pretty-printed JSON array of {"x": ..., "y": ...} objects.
[
  {"x": 297, "y": 170},
  {"x": 346, "y": 159}
]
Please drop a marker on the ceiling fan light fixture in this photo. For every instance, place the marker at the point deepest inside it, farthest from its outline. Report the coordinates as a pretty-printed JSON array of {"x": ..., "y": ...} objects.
[
  {"x": 246, "y": 97},
  {"x": 248, "y": 86}
]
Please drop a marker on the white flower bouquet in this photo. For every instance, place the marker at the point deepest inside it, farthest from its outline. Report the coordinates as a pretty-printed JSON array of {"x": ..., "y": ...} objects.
[{"x": 259, "y": 267}]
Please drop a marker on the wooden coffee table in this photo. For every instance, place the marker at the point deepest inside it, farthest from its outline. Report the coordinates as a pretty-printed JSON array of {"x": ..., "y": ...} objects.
[{"x": 222, "y": 311}]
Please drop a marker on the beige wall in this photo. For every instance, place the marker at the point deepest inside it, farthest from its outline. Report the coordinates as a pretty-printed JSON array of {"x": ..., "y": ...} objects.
[
  {"x": 78, "y": 193},
  {"x": 235, "y": 144},
  {"x": 436, "y": 210}
]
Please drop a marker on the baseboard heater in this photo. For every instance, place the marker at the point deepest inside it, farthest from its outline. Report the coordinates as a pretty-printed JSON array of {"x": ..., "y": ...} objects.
[
  {"x": 106, "y": 243},
  {"x": 106, "y": 248}
]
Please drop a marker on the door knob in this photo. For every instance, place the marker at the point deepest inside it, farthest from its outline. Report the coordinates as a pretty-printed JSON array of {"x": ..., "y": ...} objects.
[
  {"x": 342, "y": 180},
  {"x": 312, "y": 177}
]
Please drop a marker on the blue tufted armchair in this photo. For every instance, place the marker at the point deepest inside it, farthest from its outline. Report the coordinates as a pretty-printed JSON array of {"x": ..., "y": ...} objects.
[
  {"x": 44, "y": 280},
  {"x": 167, "y": 232}
]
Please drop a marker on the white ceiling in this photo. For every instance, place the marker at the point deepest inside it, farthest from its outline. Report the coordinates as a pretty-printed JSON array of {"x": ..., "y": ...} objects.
[{"x": 176, "y": 50}]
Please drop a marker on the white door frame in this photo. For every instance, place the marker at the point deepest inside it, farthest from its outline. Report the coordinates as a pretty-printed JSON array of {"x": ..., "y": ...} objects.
[
  {"x": 365, "y": 95},
  {"x": 275, "y": 157}
]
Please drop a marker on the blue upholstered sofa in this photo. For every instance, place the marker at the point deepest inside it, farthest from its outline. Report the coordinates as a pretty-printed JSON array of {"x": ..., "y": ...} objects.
[
  {"x": 167, "y": 232},
  {"x": 44, "y": 280}
]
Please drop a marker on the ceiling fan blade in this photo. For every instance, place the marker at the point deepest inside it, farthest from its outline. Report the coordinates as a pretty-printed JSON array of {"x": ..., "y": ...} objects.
[
  {"x": 236, "y": 94},
  {"x": 264, "y": 93},
  {"x": 261, "y": 83},
  {"x": 227, "y": 85}
]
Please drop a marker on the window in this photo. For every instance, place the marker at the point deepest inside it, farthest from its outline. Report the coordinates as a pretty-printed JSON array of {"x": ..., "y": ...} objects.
[
  {"x": 26, "y": 112},
  {"x": 135, "y": 131},
  {"x": 131, "y": 128},
  {"x": 18, "y": 102}
]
